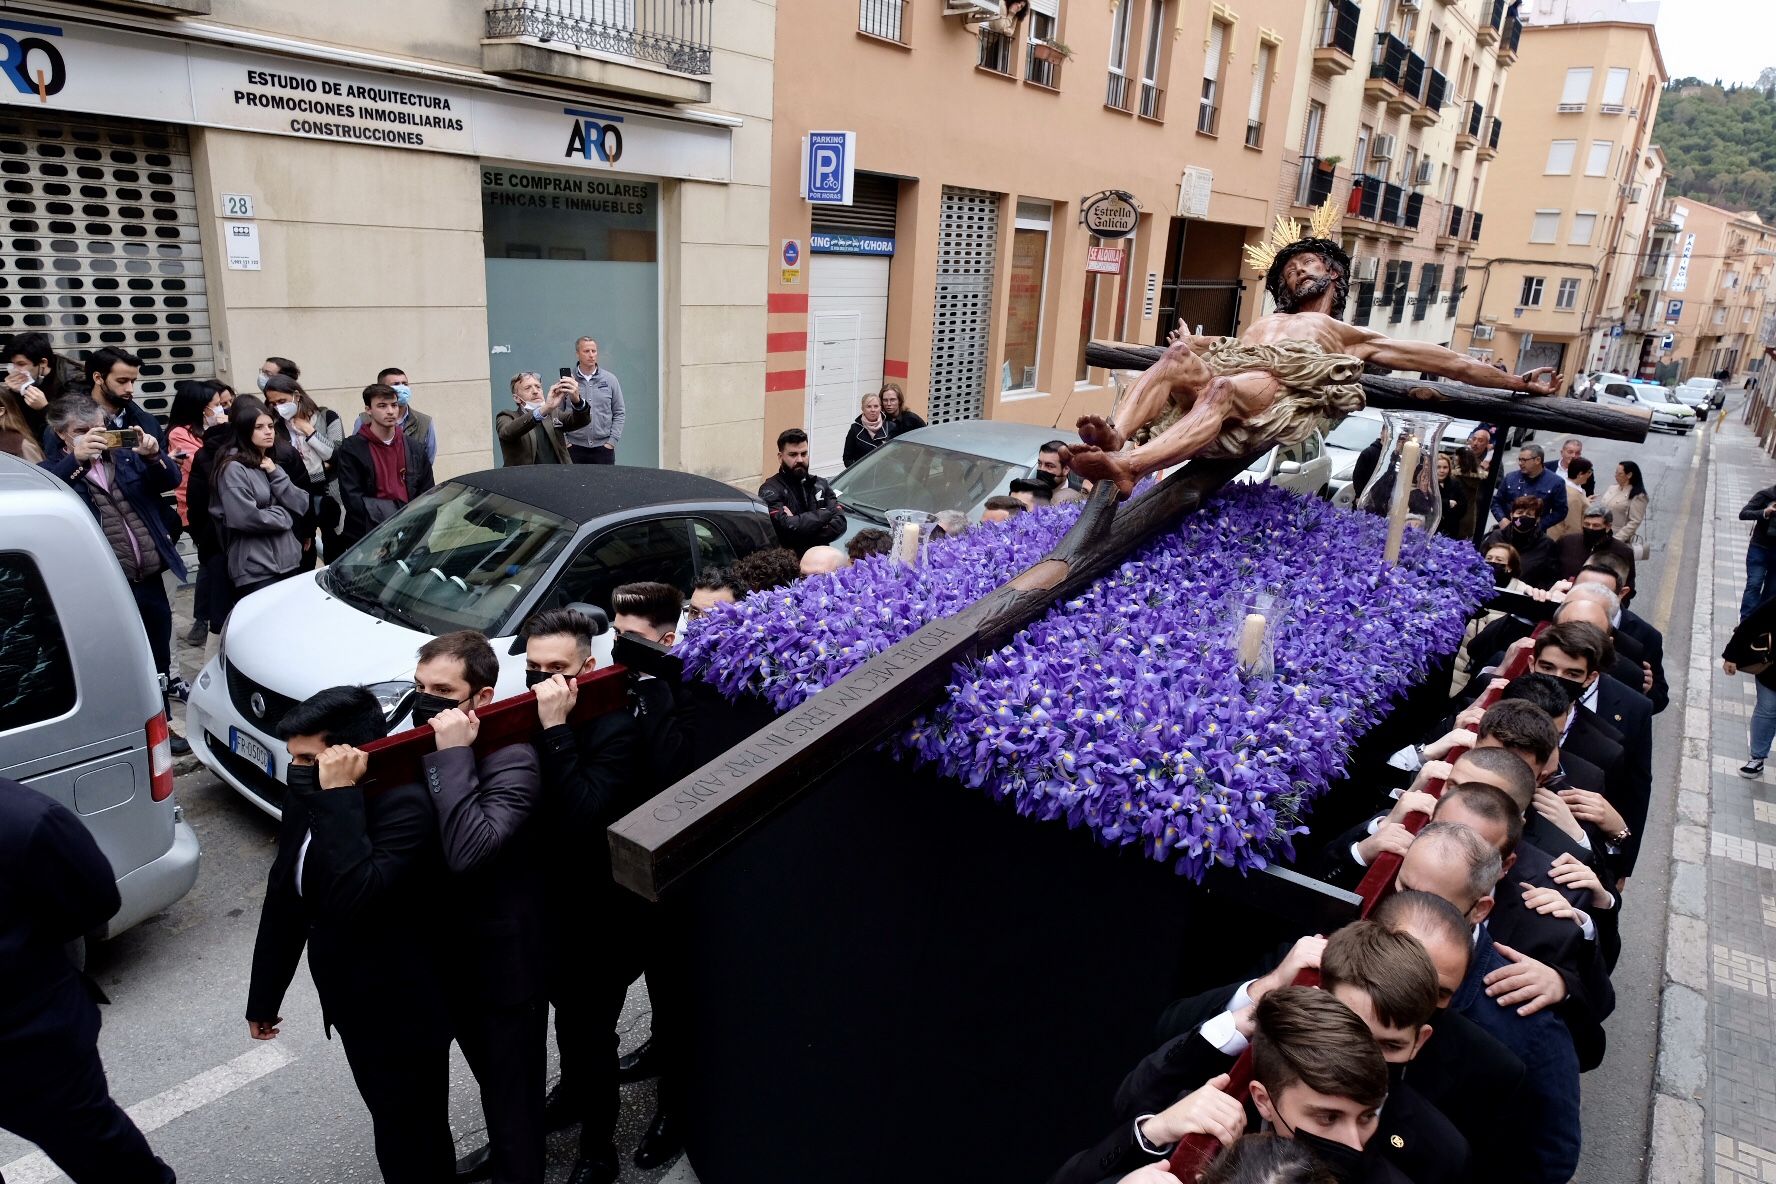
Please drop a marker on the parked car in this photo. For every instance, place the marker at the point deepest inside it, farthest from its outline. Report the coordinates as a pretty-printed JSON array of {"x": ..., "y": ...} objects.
[
  {"x": 484, "y": 552},
  {"x": 1305, "y": 467},
  {"x": 82, "y": 717},
  {"x": 1344, "y": 443},
  {"x": 1668, "y": 412},
  {"x": 1704, "y": 394}
]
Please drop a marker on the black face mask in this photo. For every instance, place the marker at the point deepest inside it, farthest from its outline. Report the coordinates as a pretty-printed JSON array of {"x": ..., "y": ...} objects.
[
  {"x": 1594, "y": 538},
  {"x": 1347, "y": 1164},
  {"x": 1397, "y": 1074},
  {"x": 533, "y": 677},
  {"x": 426, "y": 706},
  {"x": 1501, "y": 574},
  {"x": 1574, "y": 687},
  {"x": 303, "y": 778},
  {"x": 1523, "y": 526}
]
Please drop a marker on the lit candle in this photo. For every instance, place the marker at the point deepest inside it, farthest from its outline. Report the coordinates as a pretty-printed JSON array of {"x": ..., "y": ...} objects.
[
  {"x": 909, "y": 544},
  {"x": 1251, "y": 640},
  {"x": 1402, "y": 497}
]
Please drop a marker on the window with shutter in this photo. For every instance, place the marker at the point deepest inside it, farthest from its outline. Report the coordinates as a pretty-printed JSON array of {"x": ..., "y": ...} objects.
[
  {"x": 1402, "y": 282},
  {"x": 1546, "y": 226},
  {"x": 1615, "y": 87},
  {"x": 1560, "y": 158},
  {"x": 1578, "y": 86},
  {"x": 1260, "y": 95},
  {"x": 1597, "y": 165},
  {"x": 1584, "y": 227}
]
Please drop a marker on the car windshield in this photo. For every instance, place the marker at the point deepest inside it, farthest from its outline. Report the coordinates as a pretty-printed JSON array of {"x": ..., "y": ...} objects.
[
  {"x": 1355, "y": 433},
  {"x": 457, "y": 558},
  {"x": 902, "y": 475}
]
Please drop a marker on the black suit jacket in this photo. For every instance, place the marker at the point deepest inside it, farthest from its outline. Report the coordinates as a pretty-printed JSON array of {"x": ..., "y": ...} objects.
[
  {"x": 493, "y": 893},
  {"x": 1630, "y": 713},
  {"x": 666, "y": 718},
  {"x": 592, "y": 776},
  {"x": 1473, "y": 1079},
  {"x": 357, "y": 481},
  {"x": 55, "y": 886},
  {"x": 1590, "y": 997},
  {"x": 366, "y": 910},
  {"x": 1652, "y": 646}
]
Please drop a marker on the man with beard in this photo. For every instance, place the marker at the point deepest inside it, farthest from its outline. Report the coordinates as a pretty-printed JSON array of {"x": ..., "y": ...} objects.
[
  {"x": 1226, "y": 397},
  {"x": 803, "y": 507},
  {"x": 1533, "y": 478}
]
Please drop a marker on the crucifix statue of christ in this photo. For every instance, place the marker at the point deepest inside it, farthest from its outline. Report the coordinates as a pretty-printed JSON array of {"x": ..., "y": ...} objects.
[{"x": 1276, "y": 383}]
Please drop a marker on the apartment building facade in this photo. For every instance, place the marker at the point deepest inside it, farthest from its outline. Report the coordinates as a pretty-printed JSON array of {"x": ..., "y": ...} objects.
[
  {"x": 960, "y": 268},
  {"x": 1555, "y": 278},
  {"x": 460, "y": 190},
  {"x": 1717, "y": 288},
  {"x": 1398, "y": 122}
]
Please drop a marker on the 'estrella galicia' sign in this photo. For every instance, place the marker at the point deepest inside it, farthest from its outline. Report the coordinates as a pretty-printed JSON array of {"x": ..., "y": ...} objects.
[
  {"x": 1111, "y": 214},
  {"x": 850, "y": 244},
  {"x": 594, "y": 136}
]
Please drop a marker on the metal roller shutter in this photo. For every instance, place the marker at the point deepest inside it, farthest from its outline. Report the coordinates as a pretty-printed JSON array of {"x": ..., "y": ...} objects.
[
  {"x": 874, "y": 199},
  {"x": 967, "y": 240},
  {"x": 101, "y": 245}
]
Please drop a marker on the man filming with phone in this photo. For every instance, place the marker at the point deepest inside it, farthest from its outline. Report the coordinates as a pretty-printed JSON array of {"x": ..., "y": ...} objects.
[
  {"x": 113, "y": 374},
  {"x": 121, "y": 474},
  {"x": 533, "y": 430}
]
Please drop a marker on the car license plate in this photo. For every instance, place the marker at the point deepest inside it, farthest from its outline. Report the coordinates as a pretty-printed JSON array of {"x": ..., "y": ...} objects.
[{"x": 247, "y": 748}]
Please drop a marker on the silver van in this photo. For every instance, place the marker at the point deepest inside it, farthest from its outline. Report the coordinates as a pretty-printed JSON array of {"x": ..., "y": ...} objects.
[{"x": 81, "y": 713}]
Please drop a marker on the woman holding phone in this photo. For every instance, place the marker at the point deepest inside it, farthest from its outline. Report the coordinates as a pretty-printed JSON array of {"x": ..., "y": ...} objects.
[{"x": 255, "y": 503}]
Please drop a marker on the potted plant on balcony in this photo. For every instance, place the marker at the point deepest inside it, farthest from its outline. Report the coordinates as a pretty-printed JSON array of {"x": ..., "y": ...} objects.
[
  {"x": 1050, "y": 50},
  {"x": 1327, "y": 164}
]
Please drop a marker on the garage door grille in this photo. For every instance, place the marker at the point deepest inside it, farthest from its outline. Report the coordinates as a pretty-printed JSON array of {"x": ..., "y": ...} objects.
[
  {"x": 101, "y": 245},
  {"x": 967, "y": 243}
]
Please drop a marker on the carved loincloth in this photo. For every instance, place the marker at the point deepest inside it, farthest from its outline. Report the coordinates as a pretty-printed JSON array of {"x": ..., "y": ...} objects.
[{"x": 1317, "y": 386}]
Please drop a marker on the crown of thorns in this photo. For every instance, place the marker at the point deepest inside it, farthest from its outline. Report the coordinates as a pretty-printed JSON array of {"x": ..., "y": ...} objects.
[{"x": 1288, "y": 232}]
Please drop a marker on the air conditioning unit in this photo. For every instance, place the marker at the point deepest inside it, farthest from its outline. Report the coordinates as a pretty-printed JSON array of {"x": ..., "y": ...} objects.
[
  {"x": 1409, "y": 5},
  {"x": 1482, "y": 332},
  {"x": 1382, "y": 149},
  {"x": 1612, "y": 109},
  {"x": 1365, "y": 269},
  {"x": 1426, "y": 170},
  {"x": 1634, "y": 193},
  {"x": 971, "y": 8}
]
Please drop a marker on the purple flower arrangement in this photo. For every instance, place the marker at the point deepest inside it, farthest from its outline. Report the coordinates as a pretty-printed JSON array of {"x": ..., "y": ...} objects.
[{"x": 1125, "y": 710}]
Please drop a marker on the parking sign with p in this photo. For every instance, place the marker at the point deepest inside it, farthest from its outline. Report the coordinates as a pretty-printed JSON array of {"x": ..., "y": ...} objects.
[{"x": 829, "y": 162}]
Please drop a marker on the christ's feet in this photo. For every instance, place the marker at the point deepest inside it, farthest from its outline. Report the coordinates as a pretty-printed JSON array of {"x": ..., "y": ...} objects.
[
  {"x": 1095, "y": 464},
  {"x": 1096, "y": 431}
]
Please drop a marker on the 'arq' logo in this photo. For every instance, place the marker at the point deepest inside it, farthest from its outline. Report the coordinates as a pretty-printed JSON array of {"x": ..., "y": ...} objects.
[
  {"x": 594, "y": 136},
  {"x": 31, "y": 64}
]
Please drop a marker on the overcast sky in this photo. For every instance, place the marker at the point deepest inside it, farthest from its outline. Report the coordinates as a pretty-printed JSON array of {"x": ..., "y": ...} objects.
[{"x": 1727, "y": 39}]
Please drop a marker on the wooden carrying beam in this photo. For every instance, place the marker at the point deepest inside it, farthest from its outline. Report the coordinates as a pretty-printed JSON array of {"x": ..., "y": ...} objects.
[{"x": 1455, "y": 399}]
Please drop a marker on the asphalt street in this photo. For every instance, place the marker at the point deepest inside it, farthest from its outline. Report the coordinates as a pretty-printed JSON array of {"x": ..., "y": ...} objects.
[{"x": 225, "y": 1108}]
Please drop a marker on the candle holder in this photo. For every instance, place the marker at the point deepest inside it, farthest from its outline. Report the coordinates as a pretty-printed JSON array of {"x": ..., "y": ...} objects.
[
  {"x": 1404, "y": 486},
  {"x": 911, "y": 531},
  {"x": 1253, "y": 630}
]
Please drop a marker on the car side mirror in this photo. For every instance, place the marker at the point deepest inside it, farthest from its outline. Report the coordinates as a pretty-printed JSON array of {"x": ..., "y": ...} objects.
[{"x": 1288, "y": 467}]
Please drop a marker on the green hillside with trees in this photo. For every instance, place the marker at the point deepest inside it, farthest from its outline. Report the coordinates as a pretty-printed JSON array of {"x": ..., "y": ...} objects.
[{"x": 1721, "y": 142}]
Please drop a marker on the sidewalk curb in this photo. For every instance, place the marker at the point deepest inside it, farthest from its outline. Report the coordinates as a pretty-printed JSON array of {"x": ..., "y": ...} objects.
[{"x": 1677, "y": 1146}]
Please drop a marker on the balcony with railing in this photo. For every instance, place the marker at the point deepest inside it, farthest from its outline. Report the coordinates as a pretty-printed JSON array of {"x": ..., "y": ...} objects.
[
  {"x": 1474, "y": 226},
  {"x": 658, "y": 49},
  {"x": 1411, "y": 87},
  {"x": 1393, "y": 205},
  {"x": 1153, "y": 101},
  {"x": 1489, "y": 143},
  {"x": 1335, "y": 44},
  {"x": 1467, "y": 133},
  {"x": 1043, "y": 71},
  {"x": 1436, "y": 93},
  {"x": 1117, "y": 92},
  {"x": 995, "y": 52},
  {"x": 1414, "y": 211},
  {"x": 883, "y": 18},
  {"x": 1451, "y": 231},
  {"x": 1387, "y": 68},
  {"x": 1509, "y": 39},
  {"x": 1314, "y": 184},
  {"x": 1492, "y": 21},
  {"x": 1653, "y": 266},
  {"x": 1365, "y": 198}
]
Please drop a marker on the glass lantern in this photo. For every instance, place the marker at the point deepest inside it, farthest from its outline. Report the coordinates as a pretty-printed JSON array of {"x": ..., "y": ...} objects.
[
  {"x": 1404, "y": 488},
  {"x": 1255, "y": 619}
]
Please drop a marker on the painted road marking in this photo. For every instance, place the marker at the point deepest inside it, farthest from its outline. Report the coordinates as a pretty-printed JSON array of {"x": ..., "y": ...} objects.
[{"x": 153, "y": 1113}]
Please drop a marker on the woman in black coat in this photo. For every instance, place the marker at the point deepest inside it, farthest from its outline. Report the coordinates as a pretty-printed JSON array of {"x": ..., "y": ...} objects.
[
  {"x": 869, "y": 431},
  {"x": 894, "y": 409},
  {"x": 1455, "y": 500}
]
